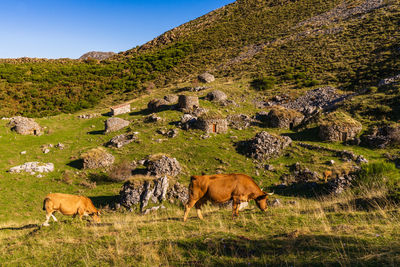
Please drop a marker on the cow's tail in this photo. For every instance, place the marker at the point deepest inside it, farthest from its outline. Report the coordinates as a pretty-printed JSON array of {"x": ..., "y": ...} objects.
[{"x": 44, "y": 203}]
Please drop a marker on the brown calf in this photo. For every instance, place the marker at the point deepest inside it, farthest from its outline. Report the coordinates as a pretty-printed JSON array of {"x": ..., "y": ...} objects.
[
  {"x": 69, "y": 205},
  {"x": 220, "y": 188}
]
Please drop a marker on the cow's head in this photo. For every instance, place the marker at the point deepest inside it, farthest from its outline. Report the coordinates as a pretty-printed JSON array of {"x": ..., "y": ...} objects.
[
  {"x": 95, "y": 216},
  {"x": 261, "y": 201}
]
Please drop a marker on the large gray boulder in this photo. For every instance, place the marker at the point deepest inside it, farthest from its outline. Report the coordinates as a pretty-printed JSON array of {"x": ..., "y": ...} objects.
[
  {"x": 217, "y": 96},
  {"x": 115, "y": 124},
  {"x": 206, "y": 77},
  {"x": 33, "y": 167}
]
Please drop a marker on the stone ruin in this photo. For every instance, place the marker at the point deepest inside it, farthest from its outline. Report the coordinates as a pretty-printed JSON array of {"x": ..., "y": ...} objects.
[
  {"x": 160, "y": 165},
  {"x": 382, "y": 137},
  {"x": 139, "y": 192},
  {"x": 89, "y": 116},
  {"x": 115, "y": 124},
  {"x": 299, "y": 174},
  {"x": 25, "y": 126},
  {"x": 211, "y": 124},
  {"x": 206, "y": 77},
  {"x": 121, "y": 140},
  {"x": 338, "y": 126},
  {"x": 188, "y": 102},
  {"x": 265, "y": 146},
  {"x": 171, "y": 99},
  {"x": 97, "y": 158},
  {"x": 121, "y": 109},
  {"x": 281, "y": 117}
]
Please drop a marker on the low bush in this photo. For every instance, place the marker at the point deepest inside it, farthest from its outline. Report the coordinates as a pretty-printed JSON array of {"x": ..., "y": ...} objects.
[{"x": 263, "y": 83}]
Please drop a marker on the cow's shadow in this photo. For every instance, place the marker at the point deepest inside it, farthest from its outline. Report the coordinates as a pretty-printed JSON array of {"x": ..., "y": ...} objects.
[{"x": 28, "y": 226}]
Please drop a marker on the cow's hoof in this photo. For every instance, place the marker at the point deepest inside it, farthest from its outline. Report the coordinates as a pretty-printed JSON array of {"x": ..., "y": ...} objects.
[{"x": 45, "y": 224}]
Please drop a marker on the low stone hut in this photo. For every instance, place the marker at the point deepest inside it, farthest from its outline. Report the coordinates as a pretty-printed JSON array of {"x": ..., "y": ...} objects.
[
  {"x": 121, "y": 109},
  {"x": 338, "y": 126},
  {"x": 188, "y": 102},
  {"x": 212, "y": 123},
  {"x": 25, "y": 126},
  {"x": 280, "y": 117},
  {"x": 115, "y": 124}
]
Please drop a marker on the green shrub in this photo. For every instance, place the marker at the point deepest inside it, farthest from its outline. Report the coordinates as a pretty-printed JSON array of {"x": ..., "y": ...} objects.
[
  {"x": 263, "y": 83},
  {"x": 376, "y": 175}
]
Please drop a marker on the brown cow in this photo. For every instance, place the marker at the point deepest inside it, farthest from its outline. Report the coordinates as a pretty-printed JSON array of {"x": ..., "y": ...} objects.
[
  {"x": 220, "y": 188},
  {"x": 69, "y": 205}
]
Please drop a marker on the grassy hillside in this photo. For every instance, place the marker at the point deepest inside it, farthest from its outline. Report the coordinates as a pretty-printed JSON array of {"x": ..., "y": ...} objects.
[{"x": 351, "y": 44}]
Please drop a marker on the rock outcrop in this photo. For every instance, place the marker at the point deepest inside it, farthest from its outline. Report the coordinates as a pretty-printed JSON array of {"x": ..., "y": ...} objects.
[
  {"x": 160, "y": 165},
  {"x": 140, "y": 193},
  {"x": 97, "y": 158},
  {"x": 33, "y": 167},
  {"x": 115, "y": 124},
  {"x": 265, "y": 146},
  {"x": 25, "y": 126},
  {"x": 216, "y": 96},
  {"x": 97, "y": 55},
  {"x": 338, "y": 126},
  {"x": 157, "y": 105}
]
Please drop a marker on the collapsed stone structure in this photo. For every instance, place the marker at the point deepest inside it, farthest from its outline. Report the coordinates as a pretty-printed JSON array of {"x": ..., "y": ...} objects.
[
  {"x": 121, "y": 109},
  {"x": 156, "y": 105},
  {"x": 285, "y": 118},
  {"x": 97, "y": 158},
  {"x": 265, "y": 145},
  {"x": 115, "y": 124},
  {"x": 338, "y": 126},
  {"x": 239, "y": 121},
  {"x": 25, "y": 126}
]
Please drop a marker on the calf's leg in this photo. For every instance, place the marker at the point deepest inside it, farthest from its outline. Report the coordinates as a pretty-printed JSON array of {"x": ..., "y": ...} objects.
[
  {"x": 188, "y": 206},
  {"x": 198, "y": 205},
  {"x": 48, "y": 215}
]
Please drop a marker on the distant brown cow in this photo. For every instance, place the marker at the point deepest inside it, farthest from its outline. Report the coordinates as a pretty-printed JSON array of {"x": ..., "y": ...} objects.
[
  {"x": 69, "y": 205},
  {"x": 327, "y": 174},
  {"x": 220, "y": 188}
]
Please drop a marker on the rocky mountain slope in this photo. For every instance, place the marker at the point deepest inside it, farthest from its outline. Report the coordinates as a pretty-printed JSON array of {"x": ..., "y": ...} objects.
[{"x": 97, "y": 55}]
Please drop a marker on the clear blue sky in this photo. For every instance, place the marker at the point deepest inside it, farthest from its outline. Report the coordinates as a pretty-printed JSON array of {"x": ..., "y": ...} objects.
[{"x": 70, "y": 28}]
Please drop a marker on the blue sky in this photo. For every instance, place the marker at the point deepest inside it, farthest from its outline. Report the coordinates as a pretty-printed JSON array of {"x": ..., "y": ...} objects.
[{"x": 70, "y": 28}]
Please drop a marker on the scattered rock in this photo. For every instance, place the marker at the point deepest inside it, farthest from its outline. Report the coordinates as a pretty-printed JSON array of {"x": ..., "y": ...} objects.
[
  {"x": 171, "y": 133},
  {"x": 179, "y": 193},
  {"x": 390, "y": 80},
  {"x": 159, "y": 165},
  {"x": 147, "y": 211},
  {"x": 264, "y": 145},
  {"x": 46, "y": 150},
  {"x": 216, "y": 96},
  {"x": 32, "y": 167},
  {"x": 360, "y": 159},
  {"x": 88, "y": 116},
  {"x": 276, "y": 203},
  {"x": 338, "y": 126},
  {"x": 115, "y": 124},
  {"x": 97, "y": 158},
  {"x": 23, "y": 152},
  {"x": 331, "y": 162},
  {"x": 25, "y": 126},
  {"x": 60, "y": 146},
  {"x": 269, "y": 167},
  {"x": 121, "y": 140},
  {"x": 153, "y": 118},
  {"x": 340, "y": 183},
  {"x": 171, "y": 99},
  {"x": 300, "y": 175},
  {"x": 206, "y": 77},
  {"x": 188, "y": 121}
]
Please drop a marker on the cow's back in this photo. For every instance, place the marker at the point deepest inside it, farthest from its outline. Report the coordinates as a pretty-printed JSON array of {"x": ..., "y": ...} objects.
[{"x": 65, "y": 203}]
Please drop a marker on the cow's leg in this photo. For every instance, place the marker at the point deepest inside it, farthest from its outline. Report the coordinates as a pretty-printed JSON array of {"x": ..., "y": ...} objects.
[
  {"x": 81, "y": 212},
  {"x": 46, "y": 223},
  {"x": 188, "y": 206},
  {"x": 235, "y": 207},
  {"x": 198, "y": 205}
]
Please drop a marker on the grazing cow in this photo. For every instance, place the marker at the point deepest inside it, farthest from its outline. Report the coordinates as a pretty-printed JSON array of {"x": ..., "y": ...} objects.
[
  {"x": 69, "y": 205},
  {"x": 220, "y": 188}
]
